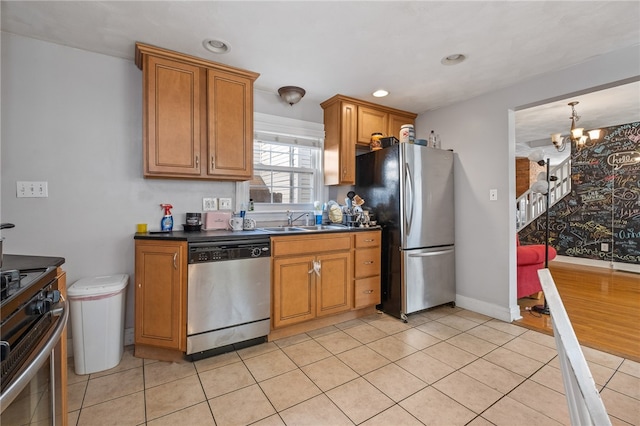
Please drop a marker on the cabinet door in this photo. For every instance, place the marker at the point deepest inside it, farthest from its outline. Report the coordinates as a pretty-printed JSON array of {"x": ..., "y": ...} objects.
[
  {"x": 370, "y": 121},
  {"x": 294, "y": 297},
  {"x": 348, "y": 134},
  {"x": 396, "y": 122},
  {"x": 172, "y": 114},
  {"x": 333, "y": 284},
  {"x": 230, "y": 124},
  {"x": 160, "y": 305}
]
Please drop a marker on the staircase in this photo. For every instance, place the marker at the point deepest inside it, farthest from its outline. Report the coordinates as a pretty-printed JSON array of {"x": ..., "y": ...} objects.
[{"x": 531, "y": 205}]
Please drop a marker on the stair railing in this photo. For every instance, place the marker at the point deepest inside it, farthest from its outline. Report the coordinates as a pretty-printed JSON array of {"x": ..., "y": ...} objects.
[{"x": 530, "y": 205}]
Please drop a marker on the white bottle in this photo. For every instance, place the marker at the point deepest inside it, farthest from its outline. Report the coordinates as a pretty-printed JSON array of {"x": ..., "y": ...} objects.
[{"x": 432, "y": 139}]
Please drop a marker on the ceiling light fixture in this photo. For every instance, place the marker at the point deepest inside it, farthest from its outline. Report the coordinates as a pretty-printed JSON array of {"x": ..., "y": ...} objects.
[
  {"x": 453, "y": 59},
  {"x": 576, "y": 134},
  {"x": 291, "y": 94},
  {"x": 216, "y": 45},
  {"x": 380, "y": 93}
]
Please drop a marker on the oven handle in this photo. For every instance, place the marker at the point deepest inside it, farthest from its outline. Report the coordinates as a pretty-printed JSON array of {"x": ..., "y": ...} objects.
[{"x": 14, "y": 389}]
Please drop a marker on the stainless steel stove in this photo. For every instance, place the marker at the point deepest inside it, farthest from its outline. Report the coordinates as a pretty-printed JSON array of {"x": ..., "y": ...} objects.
[{"x": 27, "y": 300}]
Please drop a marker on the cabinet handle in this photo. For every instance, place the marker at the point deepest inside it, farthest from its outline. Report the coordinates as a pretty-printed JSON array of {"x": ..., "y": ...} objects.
[
  {"x": 139, "y": 285},
  {"x": 368, "y": 262},
  {"x": 368, "y": 291},
  {"x": 316, "y": 268},
  {"x": 197, "y": 161},
  {"x": 369, "y": 240},
  {"x": 212, "y": 162},
  {"x": 175, "y": 256}
]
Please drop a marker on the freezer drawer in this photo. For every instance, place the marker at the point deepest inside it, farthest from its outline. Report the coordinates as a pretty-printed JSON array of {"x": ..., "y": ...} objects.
[{"x": 428, "y": 278}]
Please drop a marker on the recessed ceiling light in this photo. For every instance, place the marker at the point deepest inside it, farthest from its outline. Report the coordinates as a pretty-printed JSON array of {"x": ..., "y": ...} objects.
[
  {"x": 216, "y": 45},
  {"x": 454, "y": 59},
  {"x": 380, "y": 93}
]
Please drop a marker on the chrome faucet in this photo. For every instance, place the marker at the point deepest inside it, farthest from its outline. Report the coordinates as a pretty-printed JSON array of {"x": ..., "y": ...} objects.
[{"x": 290, "y": 218}]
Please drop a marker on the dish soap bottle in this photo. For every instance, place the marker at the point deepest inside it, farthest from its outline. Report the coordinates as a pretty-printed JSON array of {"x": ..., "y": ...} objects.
[{"x": 166, "y": 224}]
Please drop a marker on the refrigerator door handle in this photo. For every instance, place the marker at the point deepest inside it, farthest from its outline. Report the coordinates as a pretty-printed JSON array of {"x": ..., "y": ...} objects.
[
  {"x": 431, "y": 253},
  {"x": 408, "y": 198}
]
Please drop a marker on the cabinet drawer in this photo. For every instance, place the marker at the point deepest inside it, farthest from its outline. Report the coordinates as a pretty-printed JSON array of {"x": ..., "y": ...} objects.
[
  {"x": 367, "y": 239},
  {"x": 366, "y": 262},
  {"x": 367, "y": 292},
  {"x": 297, "y": 245}
]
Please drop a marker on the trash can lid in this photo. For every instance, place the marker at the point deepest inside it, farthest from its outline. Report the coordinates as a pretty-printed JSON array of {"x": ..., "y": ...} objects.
[{"x": 95, "y": 286}]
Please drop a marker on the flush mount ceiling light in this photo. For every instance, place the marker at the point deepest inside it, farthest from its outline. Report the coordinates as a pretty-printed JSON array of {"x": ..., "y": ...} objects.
[
  {"x": 216, "y": 45},
  {"x": 454, "y": 59},
  {"x": 576, "y": 134},
  {"x": 291, "y": 94},
  {"x": 380, "y": 93}
]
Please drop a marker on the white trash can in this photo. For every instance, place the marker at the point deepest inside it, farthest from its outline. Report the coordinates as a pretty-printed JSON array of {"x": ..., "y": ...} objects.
[{"x": 97, "y": 322}]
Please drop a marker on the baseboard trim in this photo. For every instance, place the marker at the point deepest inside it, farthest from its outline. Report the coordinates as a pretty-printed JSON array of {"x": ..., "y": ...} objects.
[{"x": 489, "y": 309}]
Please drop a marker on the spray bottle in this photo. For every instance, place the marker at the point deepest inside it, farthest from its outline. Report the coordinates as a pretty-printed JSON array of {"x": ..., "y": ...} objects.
[{"x": 166, "y": 224}]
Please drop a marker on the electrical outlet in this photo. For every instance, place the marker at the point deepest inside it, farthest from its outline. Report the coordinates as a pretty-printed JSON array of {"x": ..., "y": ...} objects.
[
  {"x": 224, "y": 203},
  {"x": 604, "y": 246},
  {"x": 209, "y": 204},
  {"x": 493, "y": 195},
  {"x": 32, "y": 189}
]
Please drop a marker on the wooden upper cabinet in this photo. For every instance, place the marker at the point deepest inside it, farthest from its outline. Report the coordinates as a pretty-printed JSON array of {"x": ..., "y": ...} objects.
[
  {"x": 371, "y": 120},
  {"x": 348, "y": 123},
  {"x": 198, "y": 117},
  {"x": 340, "y": 124},
  {"x": 396, "y": 121},
  {"x": 172, "y": 93},
  {"x": 230, "y": 120}
]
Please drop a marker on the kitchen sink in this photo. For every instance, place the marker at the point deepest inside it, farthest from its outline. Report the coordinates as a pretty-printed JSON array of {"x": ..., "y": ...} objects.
[
  {"x": 304, "y": 228},
  {"x": 323, "y": 227},
  {"x": 284, "y": 229}
]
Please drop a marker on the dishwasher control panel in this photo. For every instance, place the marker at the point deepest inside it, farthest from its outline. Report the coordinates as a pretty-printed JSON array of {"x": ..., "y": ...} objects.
[{"x": 228, "y": 250}]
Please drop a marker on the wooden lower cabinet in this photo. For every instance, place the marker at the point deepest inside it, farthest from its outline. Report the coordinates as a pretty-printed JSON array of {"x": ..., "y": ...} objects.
[
  {"x": 311, "y": 277},
  {"x": 333, "y": 284},
  {"x": 320, "y": 275},
  {"x": 367, "y": 268},
  {"x": 294, "y": 290},
  {"x": 161, "y": 294}
]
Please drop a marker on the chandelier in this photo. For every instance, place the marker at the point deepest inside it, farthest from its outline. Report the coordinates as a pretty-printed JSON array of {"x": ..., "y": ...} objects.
[{"x": 576, "y": 135}]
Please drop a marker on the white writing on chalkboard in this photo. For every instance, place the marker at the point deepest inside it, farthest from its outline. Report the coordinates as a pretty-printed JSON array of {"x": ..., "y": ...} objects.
[{"x": 621, "y": 159}]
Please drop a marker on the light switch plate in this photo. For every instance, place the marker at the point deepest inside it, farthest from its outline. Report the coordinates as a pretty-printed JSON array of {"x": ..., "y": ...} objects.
[
  {"x": 26, "y": 189},
  {"x": 209, "y": 204},
  {"x": 224, "y": 203},
  {"x": 493, "y": 195}
]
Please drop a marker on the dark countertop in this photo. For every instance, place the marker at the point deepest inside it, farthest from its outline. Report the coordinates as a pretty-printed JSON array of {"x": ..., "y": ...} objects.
[
  {"x": 221, "y": 234},
  {"x": 26, "y": 263}
]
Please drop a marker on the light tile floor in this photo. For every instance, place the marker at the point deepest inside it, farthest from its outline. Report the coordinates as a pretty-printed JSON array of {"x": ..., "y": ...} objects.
[{"x": 445, "y": 367}]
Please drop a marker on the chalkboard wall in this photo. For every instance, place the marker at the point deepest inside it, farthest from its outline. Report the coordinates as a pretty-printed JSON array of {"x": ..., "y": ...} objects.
[{"x": 600, "y": 218}]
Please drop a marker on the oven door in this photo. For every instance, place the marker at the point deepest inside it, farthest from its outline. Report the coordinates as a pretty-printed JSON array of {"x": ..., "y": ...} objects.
[{"x": 34, "y": 394}]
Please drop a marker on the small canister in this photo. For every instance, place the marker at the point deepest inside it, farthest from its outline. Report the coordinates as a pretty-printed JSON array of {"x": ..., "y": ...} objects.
[
  {"x": 407, "y": 133},
  {"x": 375, "y": 141}
]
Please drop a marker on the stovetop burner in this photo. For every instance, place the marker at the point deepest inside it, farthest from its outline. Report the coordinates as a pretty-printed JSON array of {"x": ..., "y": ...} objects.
[{"x": 15, "y": 282}]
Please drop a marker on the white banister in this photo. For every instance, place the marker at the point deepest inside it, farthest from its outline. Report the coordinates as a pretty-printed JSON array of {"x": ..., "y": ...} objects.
[
  {"x": 531, "y": 205},
  {"x": 583, "y": 399}
]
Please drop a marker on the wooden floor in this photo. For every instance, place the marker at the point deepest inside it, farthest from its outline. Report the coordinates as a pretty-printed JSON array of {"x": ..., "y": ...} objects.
[{"x": 603, "y": 306}]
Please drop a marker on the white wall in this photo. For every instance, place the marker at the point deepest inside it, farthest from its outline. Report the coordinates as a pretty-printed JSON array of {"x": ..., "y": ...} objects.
[
  {"x": 74, "y": 119},
  {"x": 482, "y": 133}
]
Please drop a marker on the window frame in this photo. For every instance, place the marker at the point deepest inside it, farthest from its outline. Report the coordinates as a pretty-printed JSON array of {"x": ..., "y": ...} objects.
[{"x": 282, "y": 129}]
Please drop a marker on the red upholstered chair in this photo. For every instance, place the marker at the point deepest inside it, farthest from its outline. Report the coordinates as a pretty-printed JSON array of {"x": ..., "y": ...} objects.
[{"x": 530, "y": 260}]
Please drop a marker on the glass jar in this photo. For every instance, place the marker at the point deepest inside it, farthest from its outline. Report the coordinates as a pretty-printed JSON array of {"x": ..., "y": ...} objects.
[{"x": 375, "y": 141}]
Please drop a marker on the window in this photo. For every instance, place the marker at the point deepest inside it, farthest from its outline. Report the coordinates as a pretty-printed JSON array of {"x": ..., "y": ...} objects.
[
  {"x": 287, "y": 164},
  {"x": 284, "y": 172}
]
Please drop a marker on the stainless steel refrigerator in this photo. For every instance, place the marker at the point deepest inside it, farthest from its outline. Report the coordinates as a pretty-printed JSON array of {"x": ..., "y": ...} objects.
[{"x": 409, "y": 188}]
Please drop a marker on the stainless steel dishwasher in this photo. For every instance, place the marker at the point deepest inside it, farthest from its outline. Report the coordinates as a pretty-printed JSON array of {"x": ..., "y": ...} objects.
[{"x": 228, "y": 295}]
